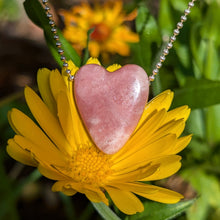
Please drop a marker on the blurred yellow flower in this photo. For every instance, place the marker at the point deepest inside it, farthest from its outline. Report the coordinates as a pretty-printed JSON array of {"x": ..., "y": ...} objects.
[
  {"x": 61, "y": 149},
  {"x": 110, "y": 35}
]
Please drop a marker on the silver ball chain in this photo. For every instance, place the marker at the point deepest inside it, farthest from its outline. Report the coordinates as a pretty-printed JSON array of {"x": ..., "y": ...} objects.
[
  {"x": 172, "y": 39},
  {"x": 57, "y": 39},
  {"x": 158, "y": 65}
]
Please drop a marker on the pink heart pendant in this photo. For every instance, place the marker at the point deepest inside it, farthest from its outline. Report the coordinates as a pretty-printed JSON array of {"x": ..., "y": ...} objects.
[{"x": 111, "y": 103}]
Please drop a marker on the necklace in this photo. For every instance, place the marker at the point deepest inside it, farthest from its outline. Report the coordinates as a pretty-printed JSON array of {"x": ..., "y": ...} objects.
[
  {"x": 111, "y": 105},
  {"x": 158, "y": 65},
  {"x": 58, "y": 143}
]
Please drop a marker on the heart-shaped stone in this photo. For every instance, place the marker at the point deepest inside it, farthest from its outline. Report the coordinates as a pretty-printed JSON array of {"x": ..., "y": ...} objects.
[{"x": 111, "y": 103}]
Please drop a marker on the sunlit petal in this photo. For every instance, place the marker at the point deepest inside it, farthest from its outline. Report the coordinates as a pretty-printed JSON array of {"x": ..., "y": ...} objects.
[
  {"x": 135, "y": 175},
  {"x": 163, "y": 100},
  {"x": 45, "y": 155},
  {"x": 47, "y": 121},
  {"x": 161, "y": 195},
  {"x": 43, "y": 76},
  {"x": 19, "y": 154},
  {"x": 168, "y": 166},
  {"x": 126, "y": 201}
]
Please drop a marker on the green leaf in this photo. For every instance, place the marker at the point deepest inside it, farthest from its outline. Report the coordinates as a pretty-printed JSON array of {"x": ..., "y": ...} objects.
[
  {"x": 86, "y": 54},
  {"x": 198, "y": 46},
  {"x": 149, "y": 36},
  {"x": 183, "y": 52},
  {"x": 198, "y": 94},
  {"x": 141, "y": 18},
  {"x": 211, "y": 23},
  {"x": 211, "y": 65},
  {"x": 199, "y": 149},
  {"x": 213, "y": 124},
  {"x": 105, "y": 211},
  {"x": 9, "y": 10},
  {"x": 150, "y": 39},
  {"x": 179, "y": 5},
  {"x": 196, "y": 123},
  {"x": 165, "y": 18},
  {"x": 208, "y": 188},
  {"x": 37, "y": 14},
  {"x": 8, "y": 211},
  {"x": 159, "y": 211}
]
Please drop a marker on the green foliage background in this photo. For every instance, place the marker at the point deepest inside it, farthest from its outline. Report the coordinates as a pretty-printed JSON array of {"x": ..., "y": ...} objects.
[{"x": 192, "y": 70}]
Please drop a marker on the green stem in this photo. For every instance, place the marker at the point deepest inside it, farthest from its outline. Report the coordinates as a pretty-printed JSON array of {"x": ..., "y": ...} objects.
[
  {"x": 68, "y": 206},
  {"x": 105, "y": 211},
  {"x": 86, "y": 53}
]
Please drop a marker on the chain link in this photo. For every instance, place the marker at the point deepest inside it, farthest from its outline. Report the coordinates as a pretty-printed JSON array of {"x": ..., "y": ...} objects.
[
  {"x": 155, "y": 71},
  {"x": 57, "y": 39},
  {"x": 172, "y": 39}
]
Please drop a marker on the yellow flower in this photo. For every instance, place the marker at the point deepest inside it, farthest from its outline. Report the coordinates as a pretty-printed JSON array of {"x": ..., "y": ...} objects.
[
  {"x": 110, "y": 35},
  {"x": 62, "y": 150}
]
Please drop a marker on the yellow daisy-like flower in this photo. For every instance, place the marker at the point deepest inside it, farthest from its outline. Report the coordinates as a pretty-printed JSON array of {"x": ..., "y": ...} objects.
[
  {"x": 61, "y": 149},
  {"x": 110, "y": 35}
]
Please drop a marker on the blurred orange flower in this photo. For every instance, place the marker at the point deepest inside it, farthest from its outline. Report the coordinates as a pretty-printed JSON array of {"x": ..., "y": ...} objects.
[{"x": 110, "y": 34}]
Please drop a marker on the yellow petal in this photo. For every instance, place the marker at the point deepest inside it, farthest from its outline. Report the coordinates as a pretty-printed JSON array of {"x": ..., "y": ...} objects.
[
  {"x": 118, "y": 170},
  {"x": 69, "y": 192},
  {"x": 27, "y": 128},
  {"x": 178, "y": 113},
  {"x": 66, "y": 120},
  {"x": 93, "y": 60},
  {"x": 65, "y": 77},
  {"x": 19, "y": 154},
  {"x": 168, "y": 166},
  {"x": 71, "y": 122},
  {"x": 141, "y": 135},
  {"x": 125, "y": 34},
  {"x": 161, "y": 195},
  {"x": 147, "y": 152},
  {"x": 43, "y": 154},
  {"x": 134, "y": 187},
  {"x": 113, "y": 67},
  {"x": 126, "y": 201},
  {"x": 135, "y": 174},
  {"x": 131, "y": 16},
  {"x": 50, "y": 172},
  {"x": 181, "y": 144},
  {"x": 60, "y": 83},
  {"x": 96, "y": 195},
  {"x": 59, "y": 186},
  {"x": 94, "y": 48},
  {"x": 155, "y": 119},
  {"x": 149, "y": 126},
  {"x": 57, "y": 84},
  {"x": 172, "y": 127},
  {"x": 93, "y": 193},
  {"x": 163, "y": 100},
  {"x": 113, "y": 11},
  {"x": 72, "y": 67},
  {"x": 11, "y": 123},
  {"x": 47, "y": 121},
  {"x": 118, "y": 46},
  {"x": 43, "y": 76}
]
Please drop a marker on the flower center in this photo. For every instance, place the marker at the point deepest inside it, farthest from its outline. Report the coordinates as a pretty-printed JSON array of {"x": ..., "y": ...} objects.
[
  {"x": 101, "y": 32},
  {"x": 90, "y": 165}
]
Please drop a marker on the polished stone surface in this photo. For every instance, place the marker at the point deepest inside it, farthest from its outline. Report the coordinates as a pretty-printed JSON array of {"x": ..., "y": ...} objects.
[{"x": 111, "y": 103}]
